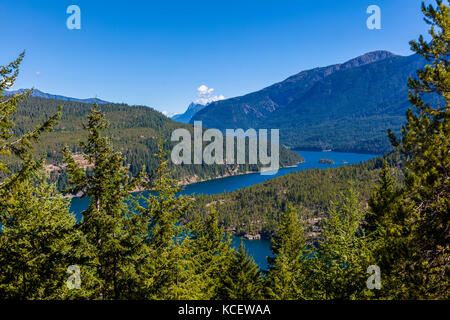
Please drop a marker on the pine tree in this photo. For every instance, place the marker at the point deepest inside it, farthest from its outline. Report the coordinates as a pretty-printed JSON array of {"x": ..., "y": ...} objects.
[
  {"x": 212, "y": 254},
  {"x": 38, "y": 243},
  {"x": 10, "y": 145},
  {"x": 168, "y": 270},
  {"x": 37, "y": 238},
  {"x": 389, "y": 230},
  {"x": 384, "y": 201},
  {"x": 286, "y": 274},
  {"x": 164, "y": 207},
  {"x": 341, "y": 258},
  {"x": 243, "y": 279},
  {"x": 426, "y": 143},
  {"x": 115, "y": 243}
]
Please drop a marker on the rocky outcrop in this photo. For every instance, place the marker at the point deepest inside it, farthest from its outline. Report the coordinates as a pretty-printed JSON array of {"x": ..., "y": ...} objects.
[{"x": 252, "y": 237}]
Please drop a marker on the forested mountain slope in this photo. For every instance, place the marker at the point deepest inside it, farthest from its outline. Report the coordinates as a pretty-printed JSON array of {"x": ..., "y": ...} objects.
[
  {"x": 256, "y": 210},
  {"x": 135, "y": 131},
  {"x": 344, "y": 107}
]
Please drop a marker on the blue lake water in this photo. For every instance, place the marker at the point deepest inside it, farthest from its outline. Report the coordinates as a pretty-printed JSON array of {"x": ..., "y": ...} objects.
[{"x": 260, "y": 249}]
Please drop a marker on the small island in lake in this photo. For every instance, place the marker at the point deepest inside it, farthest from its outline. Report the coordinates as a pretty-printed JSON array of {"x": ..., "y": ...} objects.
[{"x": 326, "y": 161}]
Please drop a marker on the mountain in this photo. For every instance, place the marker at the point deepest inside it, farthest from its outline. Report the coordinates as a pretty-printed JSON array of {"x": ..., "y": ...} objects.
[
  {"x": 344, "y": 107},
  {"x": 39, "y": 94},
  {"x": 134, "y": 131},
  {"x": 190, "y": 112}
]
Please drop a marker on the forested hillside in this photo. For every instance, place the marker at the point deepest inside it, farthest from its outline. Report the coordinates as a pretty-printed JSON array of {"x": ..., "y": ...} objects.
[
  {"x": 256, "y": 209},
  {"x": 134, "y": 130},
  {"x": 345, "y": 107},
  {"x": 377, "y": 230}
]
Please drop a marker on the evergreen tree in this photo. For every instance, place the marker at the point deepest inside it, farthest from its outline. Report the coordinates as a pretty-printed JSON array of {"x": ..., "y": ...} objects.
[
  {"x": 37, "y": 243},
  {"x": 243, "y": 280},
  {"x": 212, "y": 254},
  {"x": 341, "y": 258},
  {"x": 286, "y": 274},
  {"x": 115, "y": 243},
  {"x": 11, "y": 145},
  {"x": 384, "y": 201},
  {"x": 37, "y": 238},
  {"x": 389, "y": 230},
  {"x": 164, "y": 207},
  {"x": 167, "y": 269},
  {"x": 426, "y": 143}
]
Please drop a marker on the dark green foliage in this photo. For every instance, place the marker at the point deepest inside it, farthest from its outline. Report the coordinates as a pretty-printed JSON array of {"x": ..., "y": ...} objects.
[
  {"x": 389, "y": 230},
  {"x": 37, "y": 243},
  {"x": 168, "y": 272},
  {"x": 134, "y": 130},
  {"x": 384, "y": 201},
  {"x": 37, "y": 236},
  {"x": 113, "y": 240},
  {"x": 162, "y": 248},
  {"x": 256, "y": 209},
  {"x": 164, "y": 208},
  {"x": 242, "y": 280},
  {"x": 287, "y": 270},
  {"x": 213, "y": 255},
  {"x": 342, "y": 255},
  {"x": 20, "y": 162},
  {"x": 425, "y": 142}
]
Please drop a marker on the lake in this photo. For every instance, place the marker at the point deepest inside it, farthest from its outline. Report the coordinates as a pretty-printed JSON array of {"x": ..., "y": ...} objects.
[{"x": 259, "y": 249}]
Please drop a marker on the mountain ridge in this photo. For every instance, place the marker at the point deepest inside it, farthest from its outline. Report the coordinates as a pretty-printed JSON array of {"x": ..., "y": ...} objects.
[
  {"x": 40, "y": 94},
  {"x": 344, "y": 107},
  {"x": 135, "y": 132},
  {"x": 192, "y": 109},
  {"x": 313, "y": 75}
]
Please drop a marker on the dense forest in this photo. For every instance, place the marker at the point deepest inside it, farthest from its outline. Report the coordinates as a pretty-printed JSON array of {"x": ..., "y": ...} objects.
[
  {"x": 134, "y": 131},
  {"x": 135, "y": 247},
  {"x": 256, "y": 209}
]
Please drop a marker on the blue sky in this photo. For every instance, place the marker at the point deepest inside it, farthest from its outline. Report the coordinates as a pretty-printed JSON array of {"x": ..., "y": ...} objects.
[{"x": 157, "y": 53}]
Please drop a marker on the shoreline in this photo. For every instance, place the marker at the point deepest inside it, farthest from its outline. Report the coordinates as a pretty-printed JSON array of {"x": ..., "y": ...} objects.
[
  {"x": 71, "y": 196},
  {"x": 238, "y": 174},
  {"x": 186, "y": 183},
  {"x": 336, "y": 150}
]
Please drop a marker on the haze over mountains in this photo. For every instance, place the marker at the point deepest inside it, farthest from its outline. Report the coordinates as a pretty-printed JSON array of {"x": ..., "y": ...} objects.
[
  {"x": 190, "y": 112},
  {"x": 344, "y": 107}
]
